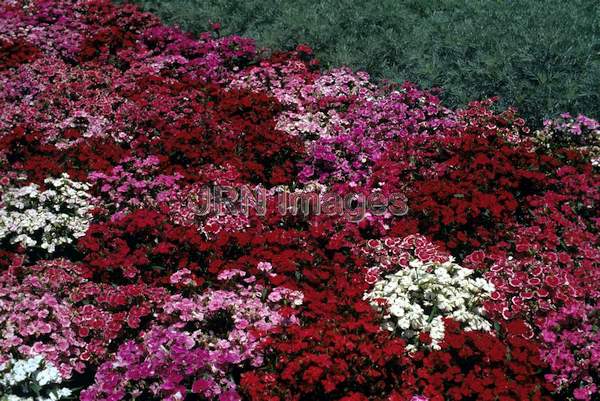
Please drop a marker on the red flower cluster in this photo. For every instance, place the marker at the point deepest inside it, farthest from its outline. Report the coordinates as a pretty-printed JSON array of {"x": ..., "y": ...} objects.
[
  {"x": 479, "y": 366},
  {"x": 464, "y": 186},
  {"x": 15, "y": 53},
  {"x": 234, "y": 128},
  {"x": 349, "y": 359},
  {"x": 142, "y": 244}
]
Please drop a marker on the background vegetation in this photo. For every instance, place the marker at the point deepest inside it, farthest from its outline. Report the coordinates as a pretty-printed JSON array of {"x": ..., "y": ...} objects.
[{"x": 542, "y": 56}]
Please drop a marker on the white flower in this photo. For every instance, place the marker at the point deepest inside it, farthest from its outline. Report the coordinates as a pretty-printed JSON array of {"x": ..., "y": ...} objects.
[
  {"x": 419, "y": 297},
  {"x": 28, "y": 377},
  {"x": 49, "y": 375},
  {"x": 45, "y": 219}
]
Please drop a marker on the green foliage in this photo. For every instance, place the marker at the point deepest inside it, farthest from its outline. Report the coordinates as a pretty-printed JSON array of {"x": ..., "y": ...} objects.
[{"x": 543, "y": 56}]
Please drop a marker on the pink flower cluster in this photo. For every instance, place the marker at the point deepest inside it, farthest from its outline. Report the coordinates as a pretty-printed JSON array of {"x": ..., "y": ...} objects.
[
  {"x": 35, "y": 321},
  {"x": 196, "y": 343},
  {"x": 135, "y": 183},
  {"x": 572, "y": 348},
  {"x": 345, "y": 120},
  {"x": 581, "y": 132}
]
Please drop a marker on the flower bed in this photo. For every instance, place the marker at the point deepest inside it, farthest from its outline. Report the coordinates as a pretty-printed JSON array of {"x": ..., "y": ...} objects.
[{"x": 159, "y": 236}]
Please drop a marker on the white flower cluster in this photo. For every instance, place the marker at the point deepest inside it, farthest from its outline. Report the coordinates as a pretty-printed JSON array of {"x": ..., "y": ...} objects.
[
  {"x": 32, "y": 379},
  {"x": 45, "y": 219},
  {"x": 418, "y": 298}
]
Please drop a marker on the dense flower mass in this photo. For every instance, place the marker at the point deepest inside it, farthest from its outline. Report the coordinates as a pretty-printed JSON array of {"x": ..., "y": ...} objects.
[
  {"x": 581, "y": 132},
  {"x": 31, "y": 379},
  {"x": 117, "y": 282},
  {"x": 197, "y": 345},
  {"x": 36, "y": 321},
  {"x": 45, "y": 219},
  {"x": 418, "y": 298},
  {"x": 572, "y": 348}
]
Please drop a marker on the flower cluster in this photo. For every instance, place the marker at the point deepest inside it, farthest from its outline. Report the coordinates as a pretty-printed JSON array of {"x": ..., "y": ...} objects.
[
  {"x": 417, "y": 298},
  {"x": 135, "y": 184},
  {"x": 387, "y": 254},
  {"x": 197, "y": 345},
  {"x": 142, "y": 243},
  {"x": 35, "y": 321},
  {"x": 45, "y": 219},
  {"x": 345, "y": 121},
  {"x": 505, "y": 366},
  {"x": 464, "y": 184},
  {"x": 580, "y": 132},
  {"x": 31, "y": 379},
  {"x": 96, "y": 315},
  {"x": 572, "y": 349}
]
